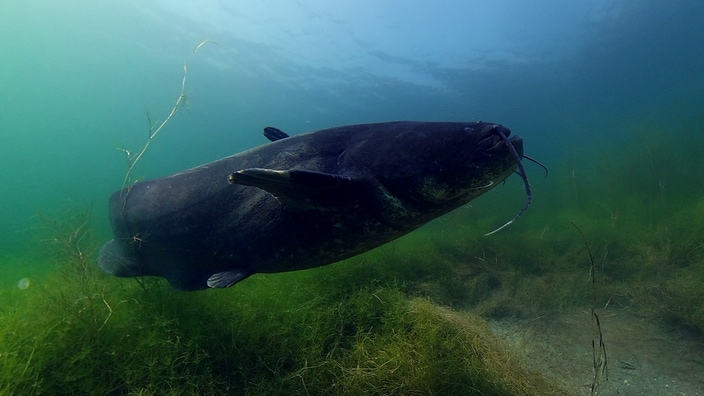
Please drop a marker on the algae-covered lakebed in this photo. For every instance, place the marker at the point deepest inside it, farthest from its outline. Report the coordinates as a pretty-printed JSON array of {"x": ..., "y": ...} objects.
[{"x": 436, "y": 312}]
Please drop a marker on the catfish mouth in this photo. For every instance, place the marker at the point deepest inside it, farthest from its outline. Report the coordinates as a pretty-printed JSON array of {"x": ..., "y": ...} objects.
[
  {"x": 517, "y": 143},
  {"x": 500, "y": 146},
  {"x": 497, "y": 142}
]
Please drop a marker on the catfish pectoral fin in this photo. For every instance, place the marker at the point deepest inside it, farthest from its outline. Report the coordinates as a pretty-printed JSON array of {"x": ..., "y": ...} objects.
[{"x": 300, "y": 189}]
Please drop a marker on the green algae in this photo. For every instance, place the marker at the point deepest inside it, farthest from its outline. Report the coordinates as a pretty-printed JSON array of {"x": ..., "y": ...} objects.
[{"x": 338, "y": 330}]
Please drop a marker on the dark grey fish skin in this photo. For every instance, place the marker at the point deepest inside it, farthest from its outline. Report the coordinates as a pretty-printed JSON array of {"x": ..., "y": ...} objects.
[{"x": 302, "y": 201}]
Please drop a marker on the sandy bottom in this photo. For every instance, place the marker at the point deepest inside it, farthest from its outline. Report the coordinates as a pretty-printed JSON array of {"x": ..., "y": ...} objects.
[{"x": 644, "y": 357}]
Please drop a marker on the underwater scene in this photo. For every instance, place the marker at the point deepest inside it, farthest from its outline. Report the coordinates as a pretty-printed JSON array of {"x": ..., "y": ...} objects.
[{"x": 580, "y": 272}]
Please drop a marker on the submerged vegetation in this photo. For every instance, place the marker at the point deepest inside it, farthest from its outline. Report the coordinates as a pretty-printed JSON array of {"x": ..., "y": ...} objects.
[
  {"x": 406, "y": 318},
  {"x": 339, "y": 331}
]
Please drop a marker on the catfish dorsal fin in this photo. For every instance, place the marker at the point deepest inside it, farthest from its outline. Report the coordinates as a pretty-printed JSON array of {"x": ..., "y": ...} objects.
[{"x": 274, "y": 134}]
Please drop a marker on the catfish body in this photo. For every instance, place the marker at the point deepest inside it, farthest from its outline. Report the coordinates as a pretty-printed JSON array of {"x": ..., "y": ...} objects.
[{"x": 302, "y": 201}]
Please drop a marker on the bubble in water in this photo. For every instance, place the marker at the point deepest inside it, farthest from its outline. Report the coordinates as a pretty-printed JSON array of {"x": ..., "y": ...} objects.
[{"x": 23, "y": 283}]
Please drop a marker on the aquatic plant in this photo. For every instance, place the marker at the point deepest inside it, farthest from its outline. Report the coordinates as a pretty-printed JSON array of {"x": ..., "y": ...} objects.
[
  {"x": 599, "y": 356},
  {"x": 326, "y": 331},
  {"x": 181, "y": 100}
]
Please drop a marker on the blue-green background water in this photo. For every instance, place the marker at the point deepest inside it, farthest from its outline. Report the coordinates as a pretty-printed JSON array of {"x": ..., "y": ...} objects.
[{"x": 77, "y": 78}]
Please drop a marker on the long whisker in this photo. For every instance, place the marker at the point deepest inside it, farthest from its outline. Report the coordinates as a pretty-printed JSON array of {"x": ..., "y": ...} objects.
[
  {"x": 535, "y": 161},
  {"x": 522, "y": 172}
]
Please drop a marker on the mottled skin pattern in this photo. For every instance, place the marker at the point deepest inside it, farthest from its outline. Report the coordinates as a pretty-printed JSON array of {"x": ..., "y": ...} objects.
[{"x": 339, "y": 192}]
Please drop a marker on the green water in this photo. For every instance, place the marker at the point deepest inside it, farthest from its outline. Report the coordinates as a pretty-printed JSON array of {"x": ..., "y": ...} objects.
[{"x": 614, "y": 111}]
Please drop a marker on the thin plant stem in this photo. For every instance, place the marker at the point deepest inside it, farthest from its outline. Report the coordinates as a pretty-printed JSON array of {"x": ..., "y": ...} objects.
[{"x": 180, "y": 103}]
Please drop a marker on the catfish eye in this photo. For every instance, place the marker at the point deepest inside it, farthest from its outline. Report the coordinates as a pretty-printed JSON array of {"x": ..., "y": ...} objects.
[{"x": 468, "y": 129}]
